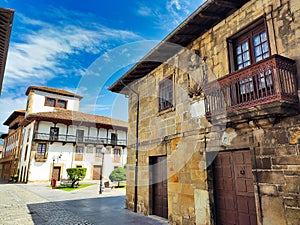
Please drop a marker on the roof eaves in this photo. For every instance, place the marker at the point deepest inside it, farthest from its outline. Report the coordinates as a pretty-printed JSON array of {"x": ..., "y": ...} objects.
[
  {"x": 6, "y": 22},
  {"x": 176, "y": 46}
]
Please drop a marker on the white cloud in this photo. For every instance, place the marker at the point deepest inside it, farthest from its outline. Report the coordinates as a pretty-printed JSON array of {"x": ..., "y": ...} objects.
[
  {"x": 173, "y": 3},
  {"x": 11, "y": 104},
  {"x": 169, "y": 12},
  {"x": 145, "y": 11},
  {"x": 44, "y": 50}
]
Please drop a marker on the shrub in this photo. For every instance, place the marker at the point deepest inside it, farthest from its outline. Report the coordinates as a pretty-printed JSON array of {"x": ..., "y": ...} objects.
[
  {"x": 76, "y": 174},
  {"x": 118, "y": 174}
]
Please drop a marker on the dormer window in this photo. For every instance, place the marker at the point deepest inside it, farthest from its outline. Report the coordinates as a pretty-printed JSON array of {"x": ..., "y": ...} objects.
[
  {"x": 52, "y": 102},
  {"x": 61, "y": 104}
]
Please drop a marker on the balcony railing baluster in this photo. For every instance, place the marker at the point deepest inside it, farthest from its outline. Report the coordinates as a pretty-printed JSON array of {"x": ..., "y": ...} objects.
[
  {"x": 74, "y": 139},
  {"x": 266, "y": 81}
]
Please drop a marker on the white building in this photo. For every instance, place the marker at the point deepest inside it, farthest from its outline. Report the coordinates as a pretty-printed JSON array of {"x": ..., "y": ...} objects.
[{"x": 57, "y": 136}]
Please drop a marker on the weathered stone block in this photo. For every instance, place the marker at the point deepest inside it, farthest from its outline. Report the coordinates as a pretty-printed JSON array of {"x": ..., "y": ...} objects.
[
  {"x": 286, "y": 160},
  {"x": 268, "y": 190},
  {"x": 267, "y": 151},
  {"x": 271, "y": 177},
  {"x": 291, "y": 201},
  {"x": 263, "y": 163},
  {"x": 292, "y": 184},
  {"x": 273, "y": 211},
  {"x": 286, "y": 150}
]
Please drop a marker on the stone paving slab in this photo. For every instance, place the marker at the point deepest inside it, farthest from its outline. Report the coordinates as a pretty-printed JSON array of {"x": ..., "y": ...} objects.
[{"x": 28, "y": 204}]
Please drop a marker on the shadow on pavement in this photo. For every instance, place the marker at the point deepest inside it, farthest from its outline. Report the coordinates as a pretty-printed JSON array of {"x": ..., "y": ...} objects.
[{"x": 105, "y": 210}]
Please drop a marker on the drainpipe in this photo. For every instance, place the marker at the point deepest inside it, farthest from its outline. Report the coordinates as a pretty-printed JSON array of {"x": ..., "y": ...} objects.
[{"x": 136, "y": 144}]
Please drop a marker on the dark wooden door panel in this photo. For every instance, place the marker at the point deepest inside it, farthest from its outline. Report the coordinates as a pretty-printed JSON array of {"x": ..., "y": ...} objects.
[
  {"x": 56, "y": 172},
  {"x": 96, "y": 172},
  {"x": 159, "y": 186},
  {"x": 234, "y": 190}
]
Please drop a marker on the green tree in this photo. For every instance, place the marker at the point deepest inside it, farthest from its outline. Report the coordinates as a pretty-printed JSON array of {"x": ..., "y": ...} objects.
[
  {"x": 76, "y": 174},
  {"x": 118, "y": 174}
]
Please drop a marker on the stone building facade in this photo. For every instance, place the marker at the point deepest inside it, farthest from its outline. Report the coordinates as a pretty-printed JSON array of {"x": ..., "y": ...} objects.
[
  {"x": 214, "y": 109},
  {"x": 9, "y": 160}
]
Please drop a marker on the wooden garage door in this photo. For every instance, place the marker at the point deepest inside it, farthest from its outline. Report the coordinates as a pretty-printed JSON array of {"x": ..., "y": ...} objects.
[
  {"x": 234, "y": 189},
  {"x": 96, "y": 172},
  {"x": 159, "y": 183}
]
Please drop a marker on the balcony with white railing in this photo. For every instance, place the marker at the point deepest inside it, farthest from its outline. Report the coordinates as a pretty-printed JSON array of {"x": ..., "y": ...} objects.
[
  {"x": 266, "y": 88},
  {"x": 66, "y": 138}
]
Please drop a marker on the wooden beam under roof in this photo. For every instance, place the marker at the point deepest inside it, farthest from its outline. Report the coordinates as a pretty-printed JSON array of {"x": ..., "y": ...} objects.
[
  {"x": 191, "y": 28},
  {"x": 226, "y": 4},
  {"x": 208, "y": 15},
  {"x": 6, "y": 20}
]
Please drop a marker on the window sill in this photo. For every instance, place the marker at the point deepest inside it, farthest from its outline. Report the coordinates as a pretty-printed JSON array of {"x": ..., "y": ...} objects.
[{"x": 164, "y": 111}]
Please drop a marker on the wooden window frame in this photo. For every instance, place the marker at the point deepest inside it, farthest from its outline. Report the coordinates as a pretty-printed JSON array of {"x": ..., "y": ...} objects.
[
  {"x": 98, "y": 153},
  {"x": 47, "y": 104},
  {"x": 163, "y": 91},
  {"x": 117, "y": 155},
  {"x": 114, "y": 138},
  {"x": 56, "y": 100},
  {"x": 80, "y": 138},
  {"x": 54, "y": 136},
  {"x": 41, "y": 153},
  {"x": 246, "y": 33},
  {"x": 79, "y": 155}
]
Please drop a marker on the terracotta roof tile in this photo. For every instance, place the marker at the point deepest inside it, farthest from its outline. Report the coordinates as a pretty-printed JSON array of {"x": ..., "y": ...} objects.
[
  {"x": 13, "y": 116},
  {"x": 52, "y": 90},
  {"x": 71, "y": 117}
]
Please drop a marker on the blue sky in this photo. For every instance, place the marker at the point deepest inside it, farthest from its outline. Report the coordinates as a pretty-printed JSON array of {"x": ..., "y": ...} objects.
[{"x": 83, "y": 47}]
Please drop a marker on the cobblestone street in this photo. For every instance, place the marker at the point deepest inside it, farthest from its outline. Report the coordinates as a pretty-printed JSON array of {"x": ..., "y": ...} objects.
[{"x": 28, "y": 204}]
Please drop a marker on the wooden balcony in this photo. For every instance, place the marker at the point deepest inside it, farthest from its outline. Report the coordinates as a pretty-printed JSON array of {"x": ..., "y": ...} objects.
[
  {"x": 266, "y": 88},
  {"x": 63, "y": 138}
]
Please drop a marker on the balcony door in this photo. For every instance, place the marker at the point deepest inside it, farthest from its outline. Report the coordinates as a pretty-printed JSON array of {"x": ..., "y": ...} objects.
[
  {"x": 79, "y": 135},
  {"x": 54, "y": 131},
  {"x": 114, "y": 139}
]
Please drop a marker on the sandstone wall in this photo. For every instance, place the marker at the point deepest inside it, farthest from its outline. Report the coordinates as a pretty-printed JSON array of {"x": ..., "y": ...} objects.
[{"x": 185, "y": 137}]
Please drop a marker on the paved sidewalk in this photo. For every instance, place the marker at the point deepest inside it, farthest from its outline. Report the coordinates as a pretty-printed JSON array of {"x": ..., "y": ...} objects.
[{"x": 29, "y": 204}]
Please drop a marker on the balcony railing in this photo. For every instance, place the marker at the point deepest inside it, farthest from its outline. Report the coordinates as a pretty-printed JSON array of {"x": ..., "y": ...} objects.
[
  {"x": 74, "y": 139},
  {"x": 270, "y": 80}
]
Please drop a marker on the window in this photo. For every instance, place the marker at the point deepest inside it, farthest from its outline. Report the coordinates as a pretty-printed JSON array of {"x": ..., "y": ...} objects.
[
  {"x": 41, "y": 150},
  {"x": 79, "y": 153},
  {"x": 251, "y": 47},
  {"x": 117, "y": 152},
  {"x": 52, "y": 102},
  {"x": 117, "y": 155},
  {"x": 54, "y": 131},
  {"x": 79, "y": 135},
  {"x": 28, "y": 135},
  {"x": 166, "y": 94},
  {"x": 90, "y": 149},
  {"x": 114, "y": 138},
  {"x": 26, "y": 151},
  {"x": 61, "y": 104},
  {"x": 98, "y": 152}
]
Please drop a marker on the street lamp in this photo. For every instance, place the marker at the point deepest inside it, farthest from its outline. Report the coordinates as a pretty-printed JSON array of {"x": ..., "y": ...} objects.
[
  {"x": 103, "y": 150},
  {"x": 53, "y": 160}
]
